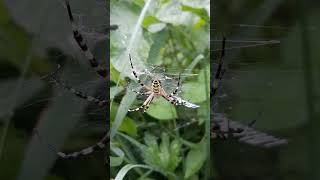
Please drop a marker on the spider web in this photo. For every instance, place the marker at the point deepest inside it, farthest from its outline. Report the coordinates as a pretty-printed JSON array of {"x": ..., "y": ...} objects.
[{"x": 253, "y": 74}]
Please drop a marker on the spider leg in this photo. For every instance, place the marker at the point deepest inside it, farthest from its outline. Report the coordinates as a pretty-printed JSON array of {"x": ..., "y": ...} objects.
[
  {"x": 148, "y": 104},
  {"x": 175, "y": 100},
  {"x": 220, "y": 71},
  {"x": 145, "y": 105},
  {"x": 177, "y": 88},
  {"x": 85, "y": 151},
  {"x": 101, "y": 71},
  {"x": 136, "y": 76},
  {"x": 218, "y": 132},
  {"x": 168, "y": 97},
  {"x": 100, "y": 102}
]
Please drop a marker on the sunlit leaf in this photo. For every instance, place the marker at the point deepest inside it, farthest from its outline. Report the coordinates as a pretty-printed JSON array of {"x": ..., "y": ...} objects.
[
  {"x": 149, "y": 20},
  {"x": 162, "y": 110},
  {"x": 198, "y": 11},
  {"x": 166, "y": 156},
  {"x": 116, "y": 160},
  {"x": 127, "y": 125},
  {"x": 195, "y": 159},
  {"x": 194, "y": 92}
]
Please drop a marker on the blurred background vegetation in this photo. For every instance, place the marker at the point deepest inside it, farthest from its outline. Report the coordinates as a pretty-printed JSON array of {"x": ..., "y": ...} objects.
[
  {"x": 34, "y": 37},
  {"x": 276, "y": 84},
  {"x": 166, "y": 142}
]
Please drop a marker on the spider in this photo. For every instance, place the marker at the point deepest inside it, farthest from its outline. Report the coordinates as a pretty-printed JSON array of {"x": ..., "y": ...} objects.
[
  {"x": 156, "y": 90},
  {"x": 222, "y": 127},
  {"x": 100, "y": 70}
]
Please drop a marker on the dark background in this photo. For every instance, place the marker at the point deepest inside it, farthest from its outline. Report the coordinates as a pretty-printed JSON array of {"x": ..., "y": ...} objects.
[
  {"x": 275, "y": 84},
  {"x": 34, "y": 37}
]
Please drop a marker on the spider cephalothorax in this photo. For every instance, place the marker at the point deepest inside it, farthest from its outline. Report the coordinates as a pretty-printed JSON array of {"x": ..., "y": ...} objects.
[{"x": 156, "y": 90}]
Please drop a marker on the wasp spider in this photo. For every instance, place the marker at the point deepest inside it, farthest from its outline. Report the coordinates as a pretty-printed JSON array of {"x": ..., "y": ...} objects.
[
  {"x": 156, "y": 90},
  {"x": 100, "y": 70}
]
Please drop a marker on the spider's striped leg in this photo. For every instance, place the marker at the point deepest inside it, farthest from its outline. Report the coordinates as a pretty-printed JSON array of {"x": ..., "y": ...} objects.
[
  {"x": 136, "y": 76},
  {"x": 175, "y": 100},
  {"x": 218, "y": 132},
  {"x": 177, "y": 88},
  {"x": 88, "y": 150},
  {"x": 145, "y": 105},
  {"x": 100, "y": 102},
  {"x": 102, "y": 71},
  {"x": 168, "y": 97},
  {"x": 148, "y": 104},
  {"x": 220, "y": 71}
]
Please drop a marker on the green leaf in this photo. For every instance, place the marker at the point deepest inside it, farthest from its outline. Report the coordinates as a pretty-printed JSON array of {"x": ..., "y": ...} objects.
[
  {"x": 204, "y": 78},
  {"x": 133, "y": 141},
  {"x": 123, "y": 123},
  {"x": 201, "y": 12},
  {"x": 122, "y": 173},
  {"x": 195, "y": 159},
  {"x": 159, "y": 40},
  {"x": 140, "y": 3},
  {"x": 116, "y": 161},
  {"x": 172, "y": 13},
  {"x": 114, "y": 91},
  {"x": 166, "y": 156},
  {"x": 114, "y": 74},
  {"x": 150, "y": 141},
  {"x": 194, "y": 92},
  {"x": 164, "y": 153},
  {"x": 128, "y": 126},
  {"x": 156, "y": 27},
  {"x": 162, "y": 110},
  {"x": 175, "y": 158},
  {"x": 149, "y": 20},
  {"x": 201, "y": 77}
]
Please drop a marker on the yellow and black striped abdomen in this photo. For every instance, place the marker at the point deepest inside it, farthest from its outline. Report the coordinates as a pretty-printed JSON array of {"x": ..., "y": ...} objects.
[{"x": 156, "y": 86}]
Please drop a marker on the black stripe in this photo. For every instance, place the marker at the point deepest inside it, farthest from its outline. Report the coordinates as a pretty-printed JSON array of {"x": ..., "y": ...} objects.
[
  {"x": 77, "y": 36},
  {"x": 102, "y": 72},
  {"x": 93, "y": 62},
  {"x": 83, "y": 47},
  {"x": 69, "y": 10}
]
